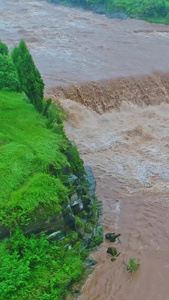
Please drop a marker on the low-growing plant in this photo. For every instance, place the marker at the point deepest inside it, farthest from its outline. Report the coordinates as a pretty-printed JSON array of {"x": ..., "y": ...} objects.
[
  {"x": 98, "y": 240},
  {"x": 133, "y": 264},
  {"x": 79, "y": 222}
]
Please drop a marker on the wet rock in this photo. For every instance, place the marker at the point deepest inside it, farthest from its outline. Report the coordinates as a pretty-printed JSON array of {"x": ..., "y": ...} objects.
[
  {"x": 113, "y": 259},
  {"x": 112, "y": 251},
  {"x": 72, "y": 179},
  {"x": 87, "y": 241},
  {"x": 76, "y": 294},
  {"x": 112, "y": 236},
  {"x": 76, "y": 204},
  {"x": 108, "y": 235},
  {"x": 69, "y": 217},
  {"x": 56, "y": 236},
  {"x": 90, "y": 178},
  {"x": 70, "y": 221},
  {"x": 49, "y": 225},
  {"x": 74, "y": 199},
  {"x": 90, "y": 262},
  {"x": 116, "y": 15},
  {"x": 77, "y": 208}
]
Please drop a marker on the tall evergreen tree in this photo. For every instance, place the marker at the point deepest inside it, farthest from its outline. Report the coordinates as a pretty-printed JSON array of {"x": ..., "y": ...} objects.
[
  {"x": 8, "y": 74},
  {"x": 3, "y": 48},
  {"x": 29, "y": 76}
]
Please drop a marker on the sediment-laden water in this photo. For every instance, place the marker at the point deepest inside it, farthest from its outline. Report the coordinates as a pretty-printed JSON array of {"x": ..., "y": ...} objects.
[
  {"x": 128, "y": 152},
  {"x": 72, "y": 45},
  {"x": 125, "y": 141}
]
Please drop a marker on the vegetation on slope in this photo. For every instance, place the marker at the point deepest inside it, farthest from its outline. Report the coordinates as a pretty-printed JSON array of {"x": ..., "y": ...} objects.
[
  {"x": 30, "y": 79},
  {"x": 31, "y": 268},
  {"x": 150, "y": 10},
  {"x": 37, "y": 164},
  {"x": 28, "y": 150}
]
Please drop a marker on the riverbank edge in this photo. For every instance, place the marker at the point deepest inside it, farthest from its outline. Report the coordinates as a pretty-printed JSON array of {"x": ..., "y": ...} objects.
[{"x": 111, "y": 14}]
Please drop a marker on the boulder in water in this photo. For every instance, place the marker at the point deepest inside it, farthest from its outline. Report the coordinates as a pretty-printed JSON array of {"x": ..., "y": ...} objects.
[
  {"x": 112, "y": 236},
  {"x": 112, "y": 251}
]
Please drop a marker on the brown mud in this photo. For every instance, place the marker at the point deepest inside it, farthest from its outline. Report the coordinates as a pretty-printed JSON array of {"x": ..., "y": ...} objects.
[{"x": 121, "y": 127}]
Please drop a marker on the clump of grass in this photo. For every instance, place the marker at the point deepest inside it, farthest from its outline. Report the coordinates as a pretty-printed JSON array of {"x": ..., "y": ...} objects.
[{"x": 133, "y": 265}]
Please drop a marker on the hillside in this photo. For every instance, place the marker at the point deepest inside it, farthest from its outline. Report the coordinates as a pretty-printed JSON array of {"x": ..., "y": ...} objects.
[{"x": 48, "y": 210}]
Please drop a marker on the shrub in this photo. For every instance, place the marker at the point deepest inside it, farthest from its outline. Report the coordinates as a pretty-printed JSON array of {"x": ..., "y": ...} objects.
[
  {"x": 133, "y": 265},
  {"x": 8, "y": 74}
]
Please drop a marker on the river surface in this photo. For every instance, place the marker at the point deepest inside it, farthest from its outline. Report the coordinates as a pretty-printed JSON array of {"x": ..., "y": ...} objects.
[
  {"x": 72, "y": 45},
  {"x": 127, "y": 149}
]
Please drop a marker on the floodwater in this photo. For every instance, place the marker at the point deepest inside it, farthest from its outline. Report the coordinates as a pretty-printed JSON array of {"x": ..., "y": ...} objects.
[
  {"x": 72, "y": 45},
  {"x": 127, "y": 149},
  {"x": 128, "y": 152}
]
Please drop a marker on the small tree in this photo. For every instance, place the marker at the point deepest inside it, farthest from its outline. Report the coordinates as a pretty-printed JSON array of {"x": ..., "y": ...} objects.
[
  {"x": 8, "y": 74},
  {"x": 29, "y": 76},
  {"x": 3, "y": 48}
]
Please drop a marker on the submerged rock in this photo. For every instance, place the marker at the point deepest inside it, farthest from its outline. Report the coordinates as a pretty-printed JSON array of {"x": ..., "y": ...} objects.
[
  {"x": 112, "y": 236},
  {"x": 113, "y": 259},
  {"x": 92, "y": 182},
  {"x": 90, "y": 262},
  {"x": 112, "y": 251}
]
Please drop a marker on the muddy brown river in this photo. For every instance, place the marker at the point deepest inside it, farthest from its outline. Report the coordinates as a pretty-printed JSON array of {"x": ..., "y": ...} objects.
[{"x": 128, "y": 148}]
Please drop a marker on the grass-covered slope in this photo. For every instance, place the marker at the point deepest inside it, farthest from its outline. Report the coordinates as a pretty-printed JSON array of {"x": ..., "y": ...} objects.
[
  {"x": 48, "y": 213},
  {"x": 33, "y": 269},
  {"x": 28, "y": 151},
  {"x": 30, "y": 266}
]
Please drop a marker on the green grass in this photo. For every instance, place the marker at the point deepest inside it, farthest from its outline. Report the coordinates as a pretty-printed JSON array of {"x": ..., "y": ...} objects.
[
  {"x": 36, "y": 162},
  {"x": 32, "y": 181},
  {"x": 28, "y": 151}
]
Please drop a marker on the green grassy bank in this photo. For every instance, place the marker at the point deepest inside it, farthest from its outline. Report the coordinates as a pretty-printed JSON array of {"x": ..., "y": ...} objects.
[{"x": 47, "y": 216}]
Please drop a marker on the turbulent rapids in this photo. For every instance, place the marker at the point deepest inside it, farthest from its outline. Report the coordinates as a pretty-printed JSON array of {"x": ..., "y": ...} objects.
[
  {"x": 120, "y": 125},
  {"x": 104, "y": 95},
  {"x": 128, "y": 152}
]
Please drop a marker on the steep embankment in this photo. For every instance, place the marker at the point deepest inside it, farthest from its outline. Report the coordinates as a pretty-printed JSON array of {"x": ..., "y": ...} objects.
[
  {"x": 44, "y": 191},
  {"x": 104, "y": 95}
]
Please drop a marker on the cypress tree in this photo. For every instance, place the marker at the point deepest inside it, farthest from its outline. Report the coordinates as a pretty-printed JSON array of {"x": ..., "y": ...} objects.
[
  {"x": 29, "y": 76},
  {"x": 8, "y": 74},
  {"x": 3, "y": 48}
]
